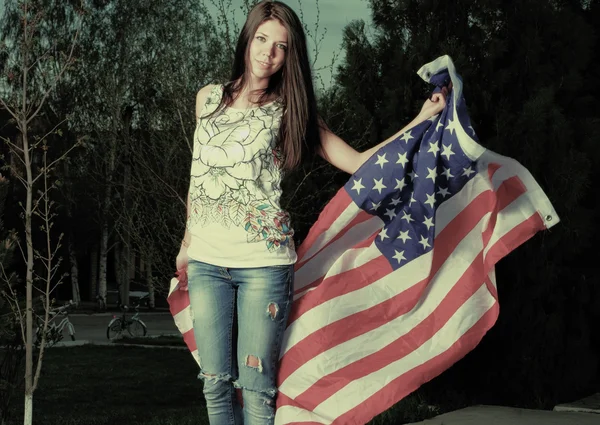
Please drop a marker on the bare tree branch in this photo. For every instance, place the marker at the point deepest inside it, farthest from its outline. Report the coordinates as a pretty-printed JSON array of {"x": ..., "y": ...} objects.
[{"x": 62, "y": 71}]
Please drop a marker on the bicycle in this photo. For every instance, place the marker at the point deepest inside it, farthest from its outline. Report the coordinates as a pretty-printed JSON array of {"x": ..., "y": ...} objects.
[
  {"x": 134, "y": 325},
  {"x": 54, "y": 332}
]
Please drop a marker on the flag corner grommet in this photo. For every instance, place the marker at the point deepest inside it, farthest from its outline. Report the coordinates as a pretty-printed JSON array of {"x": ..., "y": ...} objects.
[{"x": 548, "y": 217}]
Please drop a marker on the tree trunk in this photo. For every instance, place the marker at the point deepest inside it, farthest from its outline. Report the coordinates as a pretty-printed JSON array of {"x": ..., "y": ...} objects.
[
  {"x": 102, "y": 266},
  {"x": 29, "y": 384},
  {"x": 76, "y": 297},
  {"x": 126, "y": 250},
  {"x": 28, "y": 416},
  {"x": 118, "y": 267},
  {"x": 93, "y": 284},
  {"x": 149, "y": 283}
]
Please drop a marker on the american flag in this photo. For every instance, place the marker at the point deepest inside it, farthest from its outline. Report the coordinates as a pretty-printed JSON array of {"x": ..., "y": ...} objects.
[{"x": 395, "y": 282}]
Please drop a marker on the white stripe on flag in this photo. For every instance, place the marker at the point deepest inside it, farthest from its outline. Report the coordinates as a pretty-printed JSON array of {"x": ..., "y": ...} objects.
[
  {"x": 292, "y": 414},
  {"x": 349, "y": 260},
  {"x": 337, "y": 226},
  {"x": 360, "y": 389},
  {"x": 518, "y": 211},
  {"x": 369, "y": 296},
  {"x": 455, "y": 205},
  {"x": 355, "y": 301},
  {"x": 183, "y": 320},
  {"x": 314, "y": 268}
]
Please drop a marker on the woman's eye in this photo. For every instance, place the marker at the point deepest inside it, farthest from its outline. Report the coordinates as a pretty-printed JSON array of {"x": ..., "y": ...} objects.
[
  {"x": 260, "y": 37},
  {"x": 282, "y": 46}
]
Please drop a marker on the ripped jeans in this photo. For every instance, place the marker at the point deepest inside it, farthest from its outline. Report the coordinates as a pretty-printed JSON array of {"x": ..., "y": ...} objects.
[{"x": 263, "y": 297}]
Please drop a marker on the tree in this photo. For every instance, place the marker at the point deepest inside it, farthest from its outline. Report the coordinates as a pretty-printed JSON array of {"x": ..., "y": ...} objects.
[{"x": 33, "y": 62}]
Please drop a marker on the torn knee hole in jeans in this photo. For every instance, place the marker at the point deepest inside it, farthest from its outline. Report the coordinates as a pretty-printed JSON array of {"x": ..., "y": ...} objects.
[
  {"x": 272, "y": 310},
  {"x": 214, "y": 378},
  {"x": 254, "y": 362},
  {"x": 268, "y": 395}
]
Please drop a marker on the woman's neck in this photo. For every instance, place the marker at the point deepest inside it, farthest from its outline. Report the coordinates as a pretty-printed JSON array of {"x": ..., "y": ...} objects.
[{"x": 252, "y": 89}]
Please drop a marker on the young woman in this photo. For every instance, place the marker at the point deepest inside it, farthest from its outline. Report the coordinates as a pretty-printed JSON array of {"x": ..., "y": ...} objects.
[{"x": 238, "y": 248}]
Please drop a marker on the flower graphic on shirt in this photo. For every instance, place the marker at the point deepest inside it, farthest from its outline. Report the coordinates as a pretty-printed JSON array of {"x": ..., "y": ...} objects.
[{"x": 235, "y": 172}]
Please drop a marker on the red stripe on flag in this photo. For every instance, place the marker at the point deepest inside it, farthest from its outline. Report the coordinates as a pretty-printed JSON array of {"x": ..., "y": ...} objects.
[
  {"x": 513, "y": 239},
  {"x": 490, "y": 286},
  {"x": 364, "y": 244},
  {"x": 339, "y": 332},
  {"x": 508, "y": 192},
  {"x": 333, "y": 334},
  {"x": 468, "y": 218},
  {"x": 461, "y": 291},
  {"x": 334, "y": 209},
  {"x": 178, "y": 301},
  {"x": 359, "y": 218},
  {"x": 341, "y": 284},
  {"x": 492, "y": 168},
  {"x": 190, "y": 341},
  {"x": 410, "y": 381},
  {"x": 405, "y": 384}
]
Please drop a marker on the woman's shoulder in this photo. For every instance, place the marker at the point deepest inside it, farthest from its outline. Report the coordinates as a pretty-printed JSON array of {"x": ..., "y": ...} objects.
[{"x": 206, "y": 91}]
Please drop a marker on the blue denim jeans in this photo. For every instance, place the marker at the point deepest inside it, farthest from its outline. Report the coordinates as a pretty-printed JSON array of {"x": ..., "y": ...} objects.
[{"x": 261, "y": 298}]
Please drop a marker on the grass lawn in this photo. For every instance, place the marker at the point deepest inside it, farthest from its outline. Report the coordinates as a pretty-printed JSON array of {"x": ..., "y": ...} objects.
[
  {"x": 104, "y": 385},
  {"x": 97, "y": 385}
]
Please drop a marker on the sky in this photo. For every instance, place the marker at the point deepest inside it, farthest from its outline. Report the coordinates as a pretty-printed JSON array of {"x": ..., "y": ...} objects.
[{"x": 334, "y": 16}]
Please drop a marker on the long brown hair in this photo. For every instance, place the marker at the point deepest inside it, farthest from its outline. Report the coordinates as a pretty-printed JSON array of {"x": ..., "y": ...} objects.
[{"x": 299, "y": 131}]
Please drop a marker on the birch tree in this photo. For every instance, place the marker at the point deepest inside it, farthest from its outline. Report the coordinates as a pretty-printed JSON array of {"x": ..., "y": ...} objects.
[{"x": 33, "y": 63}]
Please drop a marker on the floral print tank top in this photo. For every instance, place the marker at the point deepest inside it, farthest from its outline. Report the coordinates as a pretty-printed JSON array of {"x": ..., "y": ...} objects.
[{"x": 235, "y": 219}]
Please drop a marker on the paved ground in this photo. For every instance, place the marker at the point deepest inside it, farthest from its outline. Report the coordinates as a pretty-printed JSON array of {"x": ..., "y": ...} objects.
[
  {"x": 93, "y": 327},
  {"x": 497, "y": 415}
]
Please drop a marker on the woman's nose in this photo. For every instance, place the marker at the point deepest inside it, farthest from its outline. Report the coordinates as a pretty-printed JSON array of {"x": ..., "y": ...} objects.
[{"x": 268, "y": 52}]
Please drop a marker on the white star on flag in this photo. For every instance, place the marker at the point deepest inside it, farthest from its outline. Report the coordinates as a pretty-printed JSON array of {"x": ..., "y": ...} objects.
[
  {"x": 468, "y": 171},
  {"x": 383, "y": 234},
  {"x": 430, "y": 199},
  {"x": 400, "y": 184},
  {"x": 443, "y": 191},
  {"x": 447, "y": 173},
  {"x": 406, "y": 136},
  {"x": 358, "y": 186},
  {"x": 452, "y": 125},
  {"x": 431, "y": 174},
  {"x": 375, "y": 206},
  {"x": 381, "y": 160},
  {"x": 404, "y": 236},
  {"x": 428, "y": 222},
  {"x": 424, "y": 242},
  {"x": 402, "y": 160},
  {"x": 379, "y": 186},
  {"x": 399, "y": 256},
  {"x": 447, "y": 151},
  {"x": 407, "y": 217},
  {"x": 390, "y": 213},
  {"x": 434, "y": 148}
]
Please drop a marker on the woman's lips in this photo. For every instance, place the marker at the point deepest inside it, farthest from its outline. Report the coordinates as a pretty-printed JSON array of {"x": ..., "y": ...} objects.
[{"x": 263, "y": 64}]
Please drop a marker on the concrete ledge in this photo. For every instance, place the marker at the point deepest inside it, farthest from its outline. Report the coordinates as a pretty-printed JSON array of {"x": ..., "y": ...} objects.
[
  {"x": 589, "y": 404},
  {"x": 498, "y": 415}
]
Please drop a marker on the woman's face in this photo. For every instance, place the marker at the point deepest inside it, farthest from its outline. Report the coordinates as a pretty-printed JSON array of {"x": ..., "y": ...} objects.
[{"x": 268, "y": 49}]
